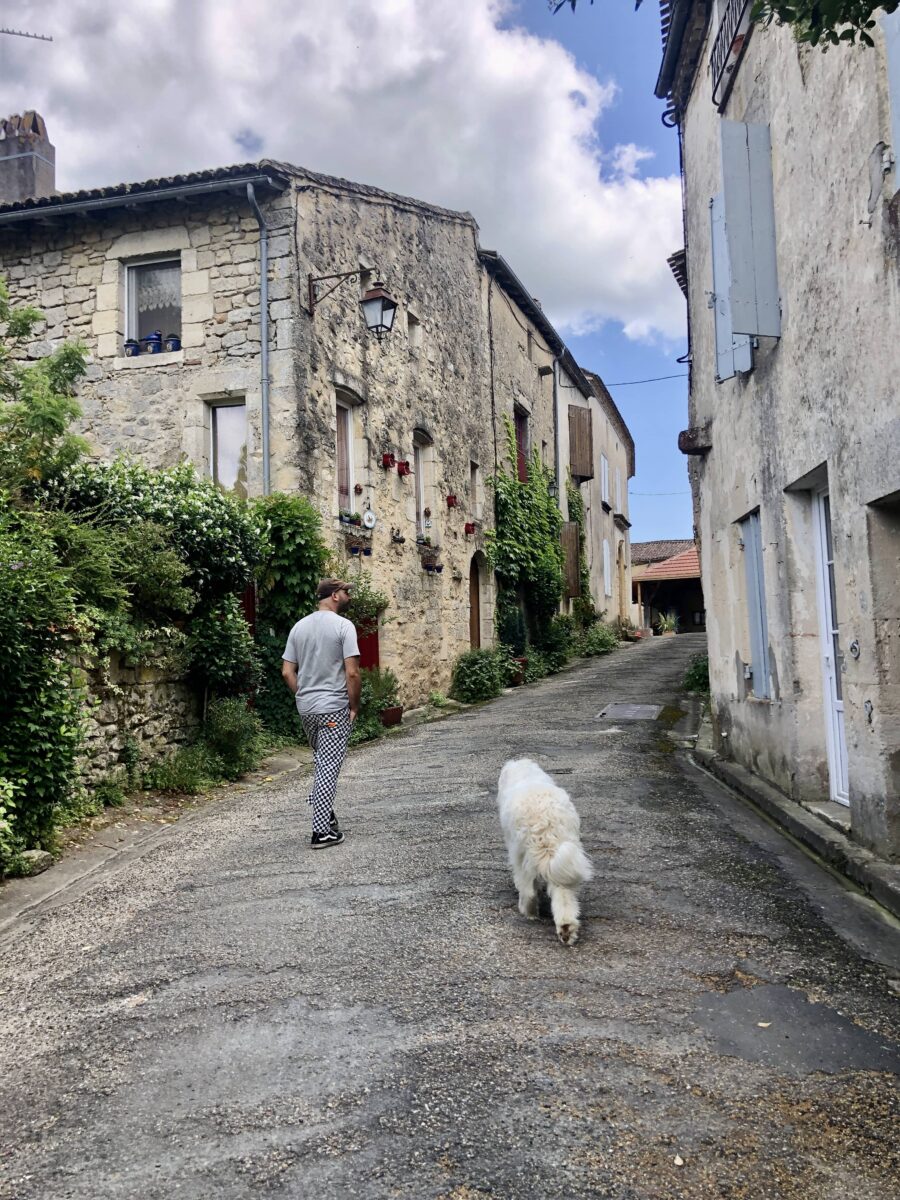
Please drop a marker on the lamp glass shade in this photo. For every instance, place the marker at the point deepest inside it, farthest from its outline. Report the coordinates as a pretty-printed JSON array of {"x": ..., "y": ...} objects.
[{"x": 379, "y": 309}]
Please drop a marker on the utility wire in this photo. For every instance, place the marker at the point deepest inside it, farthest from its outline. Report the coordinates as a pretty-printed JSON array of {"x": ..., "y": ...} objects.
[
  {"x": 655, "y": 379},
  {"x": 659, "y": 493}
]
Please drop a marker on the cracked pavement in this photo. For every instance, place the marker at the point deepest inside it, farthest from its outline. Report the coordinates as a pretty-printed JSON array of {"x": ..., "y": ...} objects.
[{"x": 224, "y": 1013}]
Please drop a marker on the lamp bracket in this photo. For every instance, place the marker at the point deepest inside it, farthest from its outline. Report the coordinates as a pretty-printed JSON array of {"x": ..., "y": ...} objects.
[{"x": 316, "y": 297}]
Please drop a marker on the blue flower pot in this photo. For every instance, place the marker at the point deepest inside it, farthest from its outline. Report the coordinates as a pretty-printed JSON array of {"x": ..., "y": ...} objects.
[
  {"x": 132, "y": 348},
  {"x": 152, "y": 343},
  {"x": 354, "y": 549},
  {"x": 173, "y": 342},
  {"x": 367, "y": 551}
]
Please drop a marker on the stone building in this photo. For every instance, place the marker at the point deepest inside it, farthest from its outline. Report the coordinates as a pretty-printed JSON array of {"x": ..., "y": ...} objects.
[
  {"x": 792, "y": 236},
  {"x": 270, "y": 379}
]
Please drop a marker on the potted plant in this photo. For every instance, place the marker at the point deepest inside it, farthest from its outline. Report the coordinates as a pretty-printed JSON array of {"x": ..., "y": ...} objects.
[
  {"x": 344, "y": 516},
  {"x": 132, "y": 348},
  {"x": 385, "y": 695},
  {"x": 667, "y": 624},
  {"x": 366, "y": 604},
  {"x": 355, "y": 519}
]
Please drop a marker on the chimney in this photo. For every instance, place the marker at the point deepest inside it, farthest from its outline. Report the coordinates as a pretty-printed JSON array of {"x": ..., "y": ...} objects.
[{"x": 27, "y": 160}]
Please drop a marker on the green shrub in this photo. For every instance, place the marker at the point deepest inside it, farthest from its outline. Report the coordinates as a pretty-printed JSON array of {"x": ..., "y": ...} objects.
[
  {"x": 536, "y": 667},
  {"x": 667, "y": 622},
  {"x": 186, "y": 772},
  {"x": 366, "y": 604},
  {"x": 556, "y": 642},
  {"x": 233, "y": 736},
  {"x": 597, "y": 639},
  {"x": 109, "y": 792},
  {"x": 476, "y": 676},
  {"x": 10, "y": 844},
  {"x": 221, "y": 650},
  {"x": 511, "y": 629},
  {"x": 437, "y": 699},
  {"x": 696, "y": 678},
  {"x": 379, "y": 691}
]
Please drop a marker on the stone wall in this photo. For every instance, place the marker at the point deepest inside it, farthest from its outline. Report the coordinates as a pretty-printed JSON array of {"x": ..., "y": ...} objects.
[
  {"x": 819, "y": 408},
  {"x": 150, "y": 706}
]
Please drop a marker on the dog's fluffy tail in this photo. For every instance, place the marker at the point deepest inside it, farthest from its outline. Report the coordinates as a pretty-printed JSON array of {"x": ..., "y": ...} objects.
[{"x": 569, "y": 866}]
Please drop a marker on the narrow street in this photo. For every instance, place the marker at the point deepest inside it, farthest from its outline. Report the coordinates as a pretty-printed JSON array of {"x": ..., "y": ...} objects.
[{"x": 231, "y": 1015}]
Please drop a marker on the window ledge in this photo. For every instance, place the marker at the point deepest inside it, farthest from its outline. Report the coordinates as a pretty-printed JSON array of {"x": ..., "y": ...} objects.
[
  {"x": 606, "y": 506},
  {"x": 167, "y": 358}
]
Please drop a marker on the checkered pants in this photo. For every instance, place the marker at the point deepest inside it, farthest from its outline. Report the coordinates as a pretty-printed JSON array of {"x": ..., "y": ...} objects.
[{"x": 327, "y": 734}]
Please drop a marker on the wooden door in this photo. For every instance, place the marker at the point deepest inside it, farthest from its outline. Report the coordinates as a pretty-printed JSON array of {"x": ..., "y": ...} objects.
[{"x": 474, "y": 606}]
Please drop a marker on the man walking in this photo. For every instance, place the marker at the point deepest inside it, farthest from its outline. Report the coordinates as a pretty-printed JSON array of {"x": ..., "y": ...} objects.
[{"x": 321, "y": 667}]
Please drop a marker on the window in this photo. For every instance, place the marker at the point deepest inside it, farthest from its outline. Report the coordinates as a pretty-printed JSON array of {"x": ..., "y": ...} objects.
[
  {"x": 476, "y": 502},
  {"x": 890, "y": 25},
  {"x": 529, "y": 346},
  {"x": 607, "y": 570},
  {"x": 604, "y": 480},
  {"x": 421, "y": 465},
  {"x": 228, "y": 451},
  {"x": 413, "y": 331},
  {"x": 581, "y": 443},
  {"x": 154, "y": 298},
  {"x": 344, "y": 456},
  {"x": 619, "y": 507},
  {"x": 521, "y": 423},
  {"x": 751, "y": 537}
]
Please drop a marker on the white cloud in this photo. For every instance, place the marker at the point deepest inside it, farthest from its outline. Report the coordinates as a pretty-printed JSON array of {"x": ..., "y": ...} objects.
[{"x": 431, "y": 98}]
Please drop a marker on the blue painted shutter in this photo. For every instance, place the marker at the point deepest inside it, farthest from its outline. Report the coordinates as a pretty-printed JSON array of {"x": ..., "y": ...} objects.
[
  {"x": 750, "y": 228},
  {"x": 890, "y": 24},
  {"x": 732, "y": 354},
  {"x": 756, "y": 605}
]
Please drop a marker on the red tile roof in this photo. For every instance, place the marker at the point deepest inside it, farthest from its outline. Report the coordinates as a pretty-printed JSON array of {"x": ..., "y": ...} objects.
[
  {"x": 680, "y": 566},
  {"x": 650, "y": 552}
]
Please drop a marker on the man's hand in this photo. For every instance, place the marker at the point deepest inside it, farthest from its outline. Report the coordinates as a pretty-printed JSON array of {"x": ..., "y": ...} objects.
[
  {"x": 354, "y": 685},
  {"x": 353, "y": 715}
]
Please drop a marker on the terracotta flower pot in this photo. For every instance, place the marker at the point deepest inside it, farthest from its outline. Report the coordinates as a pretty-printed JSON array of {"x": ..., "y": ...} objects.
[{"x": 392, "y": 716}]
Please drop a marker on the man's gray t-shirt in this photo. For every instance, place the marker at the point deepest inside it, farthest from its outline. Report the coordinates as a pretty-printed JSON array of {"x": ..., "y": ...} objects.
[{"x": 318, "y": 645}]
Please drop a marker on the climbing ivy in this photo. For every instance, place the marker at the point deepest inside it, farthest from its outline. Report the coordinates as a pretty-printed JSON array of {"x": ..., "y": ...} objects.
[
  {"x": 525, "y": 548},
  {"x": 583, "y": 606}
]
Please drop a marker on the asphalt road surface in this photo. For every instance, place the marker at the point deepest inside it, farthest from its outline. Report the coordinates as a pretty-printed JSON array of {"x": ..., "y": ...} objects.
[{"x": 228, "y": 1014}]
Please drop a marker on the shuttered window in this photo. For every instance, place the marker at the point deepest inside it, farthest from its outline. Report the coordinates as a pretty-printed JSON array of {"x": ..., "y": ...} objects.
[
  {"x": 732, "y": 353},
  {"x": 619, "y": 490},
  {"x": 756, "y": 605},
  {"x": 581, "y": 443},
  {"x": 749, "y": 210},
  {"x": 607, "y": 570},
  {"x": 570, "y": 558},
  {"x": 344, "y": 425},
  {"x": 604, "y": 479},
  {"x": 521, "y": 420},
  {"x": 890, "y": 23}
]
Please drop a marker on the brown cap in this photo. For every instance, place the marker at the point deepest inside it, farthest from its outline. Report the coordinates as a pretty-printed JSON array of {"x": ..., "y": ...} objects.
[{"x": 327, "y": 587}]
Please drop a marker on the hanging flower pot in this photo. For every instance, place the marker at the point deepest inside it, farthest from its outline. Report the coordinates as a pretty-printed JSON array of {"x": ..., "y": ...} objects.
[
  {"x": 354, "y": 549},
  {"x": 452, "y": 501},
  {"x": 469, "y": 528},
  {"x": 357, "y": 489},
  {"x": 438, "y": 567},
  {"x": 132, "y": 348},
  {"x": 403, "y": 468},
  {"x": 429, "y": 567},
  {"x": 388, "y": 461},
  {"x": 367, "y": 551}
]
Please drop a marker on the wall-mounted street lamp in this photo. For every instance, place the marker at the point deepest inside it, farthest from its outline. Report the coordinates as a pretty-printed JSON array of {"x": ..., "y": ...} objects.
[{"x": 378, "y": 306}]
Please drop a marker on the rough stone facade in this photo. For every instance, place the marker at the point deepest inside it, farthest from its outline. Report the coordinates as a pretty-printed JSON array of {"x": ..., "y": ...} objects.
[
  {"x": 817, "y": 411},
  {"x": 467, "y": 350},
  {"x": 148, "y": 706}
]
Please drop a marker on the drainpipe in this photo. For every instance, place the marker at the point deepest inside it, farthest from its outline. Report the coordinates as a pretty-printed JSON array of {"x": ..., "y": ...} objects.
[
  {"x": 556, "y": 470},
  {"x": 263, "y": 332}
]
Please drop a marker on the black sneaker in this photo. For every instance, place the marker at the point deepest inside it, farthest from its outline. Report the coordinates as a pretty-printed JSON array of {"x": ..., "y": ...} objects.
[
  {"x": 333, "y": 823},
  {"x": 331, "y": 838}
]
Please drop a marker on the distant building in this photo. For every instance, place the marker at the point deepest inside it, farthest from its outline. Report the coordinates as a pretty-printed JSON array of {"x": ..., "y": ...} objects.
[{"x": 666, "y": 579}]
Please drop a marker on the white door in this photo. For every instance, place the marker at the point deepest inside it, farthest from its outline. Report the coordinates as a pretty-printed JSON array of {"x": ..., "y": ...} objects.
[{"x": 832, "y": 658}]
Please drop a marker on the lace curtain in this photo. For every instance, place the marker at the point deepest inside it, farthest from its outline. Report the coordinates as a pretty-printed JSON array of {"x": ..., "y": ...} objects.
[{"x": 158, "y": 287}]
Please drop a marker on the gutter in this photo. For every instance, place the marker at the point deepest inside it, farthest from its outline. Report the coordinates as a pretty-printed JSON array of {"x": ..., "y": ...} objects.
[
  {"x": 43, "y": 212},
  {"x": 671, "y": 54},
  {"x": 263, "y": 332}
]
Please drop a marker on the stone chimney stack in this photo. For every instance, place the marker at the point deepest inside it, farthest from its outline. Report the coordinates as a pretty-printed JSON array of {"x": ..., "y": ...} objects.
[{"x": 27, "y": 160}]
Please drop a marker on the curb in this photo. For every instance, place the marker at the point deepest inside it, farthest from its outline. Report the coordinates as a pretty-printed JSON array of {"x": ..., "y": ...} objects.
[{"x": 878, "y": 878}]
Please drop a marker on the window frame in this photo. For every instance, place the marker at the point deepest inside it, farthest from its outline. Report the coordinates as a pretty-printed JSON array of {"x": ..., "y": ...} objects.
[
  {"x": 343, "y": 406},
  {"x": 750, "y": 530},
  {"x": 131, "y": 268},
  {"x": 213, "y": 406},
  {"x": 521, "y": 423}
]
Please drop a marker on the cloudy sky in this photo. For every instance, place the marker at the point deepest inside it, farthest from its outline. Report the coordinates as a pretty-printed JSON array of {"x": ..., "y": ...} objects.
[{"x": 543, "y": 127}]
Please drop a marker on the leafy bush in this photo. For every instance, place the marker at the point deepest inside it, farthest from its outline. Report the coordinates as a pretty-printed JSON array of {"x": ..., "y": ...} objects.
[
  {"x": 511, "y": 622},
  {"x": 110, "y": 791},
  {"x": 598, "y": 639},
  {"x": 476, "y": 676},
  {"x": 379, "y": 691},
  {"x": 667, "y": 622},
  {"x": 696, "y": 678},
  {"x": 233, "y": 735},
  {"x": 187, "y": 771},
  {"x": 10, "y": 844},
  {"x": 366, "y": 604},
  {"x": 217, "y": 536},
  {"x": 536, "y": 667},
  {"x": 556, "y": 642},
  {"x": 221, "y": 650}
]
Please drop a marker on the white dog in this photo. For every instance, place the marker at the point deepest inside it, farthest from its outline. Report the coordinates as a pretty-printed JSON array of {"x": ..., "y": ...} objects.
[{"x": 541, "y": 828}]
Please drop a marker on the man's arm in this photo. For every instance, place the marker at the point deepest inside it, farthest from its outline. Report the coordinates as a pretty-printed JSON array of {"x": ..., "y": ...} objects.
[
  {"x": 289, "y": 674},
  {"x": 354, "y": 684}
]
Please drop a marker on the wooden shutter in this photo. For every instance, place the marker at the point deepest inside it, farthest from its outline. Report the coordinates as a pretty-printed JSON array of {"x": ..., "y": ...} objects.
[
  {"x": 581, "y": 443},
  {"x": 732, "y": 353},
  {"x": 570, "y": 558},
  {"x": 747, "y": 189},
  {"x": 343, "y": 457},
  {"x": 521, "y": 446}
]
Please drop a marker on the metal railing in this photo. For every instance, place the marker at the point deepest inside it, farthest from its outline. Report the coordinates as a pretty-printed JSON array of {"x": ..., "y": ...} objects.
[{"x": 728, "y": 47}]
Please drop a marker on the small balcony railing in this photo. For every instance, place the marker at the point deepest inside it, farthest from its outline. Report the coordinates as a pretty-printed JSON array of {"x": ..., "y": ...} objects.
[{"x": 728, "y": 48}]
